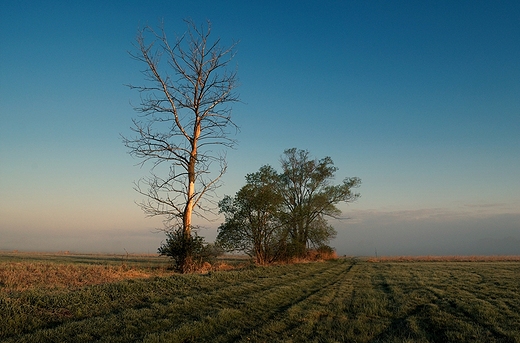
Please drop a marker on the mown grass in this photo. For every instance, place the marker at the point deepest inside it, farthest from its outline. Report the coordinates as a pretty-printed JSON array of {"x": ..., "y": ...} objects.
[{"x": 346, "y": 300}]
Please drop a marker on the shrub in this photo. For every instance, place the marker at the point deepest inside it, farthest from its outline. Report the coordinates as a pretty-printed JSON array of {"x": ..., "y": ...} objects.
[
  {"x": 323, "y": 252},
  {"x": 188, "y": 253}
]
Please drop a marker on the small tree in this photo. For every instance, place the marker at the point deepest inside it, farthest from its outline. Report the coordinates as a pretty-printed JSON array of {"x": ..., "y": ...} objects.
[
  {"x": 252, "y": 223},
  {"x": 177, "y": 247},
  {"x": 183, "y": 119},
  {"x": 309, "y": 197}
]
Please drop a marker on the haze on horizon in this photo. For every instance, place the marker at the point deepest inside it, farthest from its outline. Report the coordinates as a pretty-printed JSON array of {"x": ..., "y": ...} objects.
[{"x": 420, "y": 100}]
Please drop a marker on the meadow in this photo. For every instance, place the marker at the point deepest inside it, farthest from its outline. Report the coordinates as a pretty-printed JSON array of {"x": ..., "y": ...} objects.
[{"x": 62, "y": 298}]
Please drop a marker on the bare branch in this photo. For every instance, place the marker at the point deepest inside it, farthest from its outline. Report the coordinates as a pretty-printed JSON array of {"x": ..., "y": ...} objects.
[{"x": 184, "y": 113}]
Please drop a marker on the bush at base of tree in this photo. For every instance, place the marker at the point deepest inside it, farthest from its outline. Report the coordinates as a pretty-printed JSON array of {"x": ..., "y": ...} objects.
[
  {"x": 188, "y": 253},
  {"x": 323, "y": 252}
]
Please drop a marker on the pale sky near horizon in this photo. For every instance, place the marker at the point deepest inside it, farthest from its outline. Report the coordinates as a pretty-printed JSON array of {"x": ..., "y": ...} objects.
[{"x": 421, "y": 100}]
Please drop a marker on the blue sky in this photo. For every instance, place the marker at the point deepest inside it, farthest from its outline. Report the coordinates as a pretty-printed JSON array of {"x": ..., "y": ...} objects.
[{"x": 421, "y": 100}]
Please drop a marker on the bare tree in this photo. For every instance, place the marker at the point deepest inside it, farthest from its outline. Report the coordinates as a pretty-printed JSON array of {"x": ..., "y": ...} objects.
[{"x": 184, "y": 121}]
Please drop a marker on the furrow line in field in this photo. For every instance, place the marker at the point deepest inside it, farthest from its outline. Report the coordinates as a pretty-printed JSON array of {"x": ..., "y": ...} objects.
[
  {"x": 253, "y": 311},
  {"x": 398, "y": 298},
  {"x": 317, "y": 316},
  {"x": 468, "y": 308},
  {"x": 299, "y": 310},
  {"x": 432, "y": 307}
]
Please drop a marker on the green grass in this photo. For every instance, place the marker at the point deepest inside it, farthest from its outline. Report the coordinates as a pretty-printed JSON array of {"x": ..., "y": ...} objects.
[{"x": 337, "y": 301}]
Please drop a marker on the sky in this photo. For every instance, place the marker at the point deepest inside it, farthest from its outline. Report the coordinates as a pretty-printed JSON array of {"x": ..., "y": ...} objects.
[{"x": 419, "y": 99}]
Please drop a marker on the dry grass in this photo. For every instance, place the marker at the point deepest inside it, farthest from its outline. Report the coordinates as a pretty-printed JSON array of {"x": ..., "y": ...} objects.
[
  {"x": 501, "y": 258},
  {"x": 322, "y": 255},
  {"x": 312, "y": 256},
  {"x": 21, "y": 271},
  {"x": 20, "y": 276}
]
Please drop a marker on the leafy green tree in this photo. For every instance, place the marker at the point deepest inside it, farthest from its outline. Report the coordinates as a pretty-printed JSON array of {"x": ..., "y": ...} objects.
[
  {"x": 279, "y": 215},
  {"x": 309, "y": 197},
  {"x": 252, "y": 222}
]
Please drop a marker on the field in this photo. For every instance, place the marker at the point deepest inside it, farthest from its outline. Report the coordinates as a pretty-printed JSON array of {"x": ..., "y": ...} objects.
[{"x": 47, "y": 298}]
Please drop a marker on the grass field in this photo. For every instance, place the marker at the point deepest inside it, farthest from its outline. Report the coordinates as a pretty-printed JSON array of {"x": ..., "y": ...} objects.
[{"x": 347, "y": 300}]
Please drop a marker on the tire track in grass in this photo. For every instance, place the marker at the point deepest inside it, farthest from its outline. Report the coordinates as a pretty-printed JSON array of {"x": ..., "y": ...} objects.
[
  {"x": 466, "y": 308},
  {"x": 418, "y": 306},
  {"x": 323, "y": 314},
  {"x": 441, "y": 317},
  {"x": 253, "y": 311},
  {"x": 265, "y": 285},
  {"x": 368, "y": 309},
  {"x": 408, "y": 304},
  {"x": 301, "y": 311},
  {"x": 497, "y": 298}
]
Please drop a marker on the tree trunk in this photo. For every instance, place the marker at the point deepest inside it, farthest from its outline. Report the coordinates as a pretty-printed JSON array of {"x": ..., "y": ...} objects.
[{"x": 190, "y": 201}]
